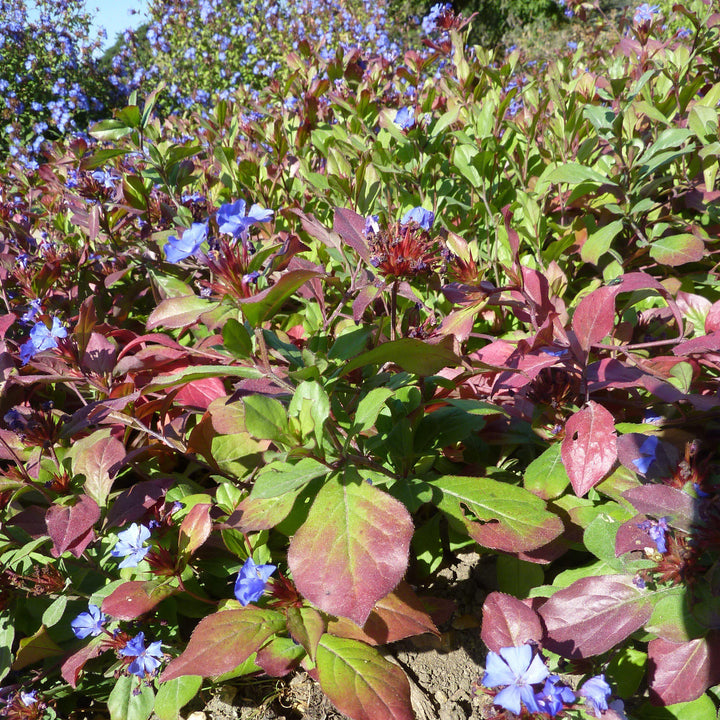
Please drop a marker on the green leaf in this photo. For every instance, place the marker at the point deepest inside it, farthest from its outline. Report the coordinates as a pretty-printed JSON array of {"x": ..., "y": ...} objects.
[
  {"x": 264, "y": 305},
  {"x": 517, "y": 577},
  {"x": 200, "y": 372},
  {"x": 174, "y": 694},
  {"x": 626, "y": 671},
  {"x": 445, "y": 426},
  {"x": 677, "y": 250},
  {"x": 278, "y": 478},
  {"x": 546, "y": 476},
  {"x": 7, "y": 635},
  {"x": 701, "y": 709},
  {"x": 111, "y": 130},
  {"x": 266, "y": 418},
  {"x": 352, "y": 550},
  {"x": 53, "y": 614},
  {"x": 236, "y": 338},
  {"x": 510, "y": 518},
  {"x": 101, "y": 157},
  {"x": 310, "y": 406},
  {"x": 130, "y": 699},
  {"x": 369, "y": 408},
  {"x": 360, "y": 682},
  {"x": 598, "y": 243},
  {"x": 574, "y": 174},
  {"x": 412, "y": 355},
  {"x": 179, "y": 312}
]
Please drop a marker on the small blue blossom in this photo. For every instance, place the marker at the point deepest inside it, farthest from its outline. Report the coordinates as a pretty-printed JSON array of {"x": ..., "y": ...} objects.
[
  {"x": 572, "y": 45},
  {"x": 554, "y": 696},
  {"x": 516, "y": 668},
  {"x": 405, "y": 118},
  {"x": 147, "y": 660},
  {"x": 596, "y": 692},
  {"x": 28, "y": 698},
  {"x": 232, "y": 219},
  {"x": 644, "y": 13},
  {"x": 130, "y": 545},
  {"x": 657, "y": 531},
  {"x": 177, "y": 249},
  {"x": 32, "y": 311},
  {"x": 648, "y": 454},
  {"x": 424, "y": 218},
  {"x": 88, "y": 623},
  {"x": 42, "y": 338},
  {"x": 251, "y": 581}
]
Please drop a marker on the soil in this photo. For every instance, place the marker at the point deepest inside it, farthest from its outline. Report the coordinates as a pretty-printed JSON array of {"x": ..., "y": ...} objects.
[{"x": 442, "y": 671}]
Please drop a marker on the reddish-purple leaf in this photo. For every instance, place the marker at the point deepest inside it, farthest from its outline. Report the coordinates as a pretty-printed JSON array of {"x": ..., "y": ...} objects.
[
  {"x": 70, "y": 526},
  {"x": 360, "y": 682},
  {"x": 662, "y": 500},
  {"x": 72, "y": 666},
  {"x": 306, "y": 626},
  {"x": 352, "y": 550},
  {"x": 630, "y": 537},
  {"x": 223, "y": 640},
  {"x": 179, "y": 312},
  {"x": 594, "y": 614},
  {"x": 351, "y": 228},
  {"x": 677, "y": 249},
  {"x": 313, "y": 227},
  {"x": 712, "y": 320},
  {"x": 200, "y": 393},
  {"x": 279, "y": 657},
  {"x": 397, "y": 616},
  {"x": 680, "y": 672},
  {"x": 702, "y": 344},
  {"x": 98, "y": 458},
  {"x": 136, "y": 597},
  {"x": 508, "y": 622},
  {"x": 589, "y": 449},
  {"x": 594, "y": 317},
  {"x": 195, "y": 528},
  {"x": 131, "y": 505}
]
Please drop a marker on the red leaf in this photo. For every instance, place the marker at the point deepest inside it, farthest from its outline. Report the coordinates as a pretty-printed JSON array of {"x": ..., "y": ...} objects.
[
  {"x": 681, "y": 672},
  {"x": 712, "y": 320},
  {"x": 195, "y": 528},
  {"x": 508, "y": 622},
  {"x": 594, "y": 614},
  {"x": 70, "y": 527},
  {"x": 73, "y": 665},
  {"x": 589, "y": 449},
  {"x": 662, "y": 500},
  {"x": 351, "y": 228},
  {"x": 135, "y": 598},
  {"x": 223, "y": 640},
  {"x": 200, "y": 393},
  {"x": 594, "y": 317},
  {"x": 279, "y": 657},
  {"x": 352, "y": 550},
  {"x": 702, "y": 344}
]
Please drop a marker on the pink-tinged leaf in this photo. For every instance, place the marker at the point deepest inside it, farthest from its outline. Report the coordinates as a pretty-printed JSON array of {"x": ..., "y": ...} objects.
[
  {"x": 459, "y": 323},
  {"x": 663, "y": 500},
  {"x": 306, "y": 626},
  {"x": 132, "y": 504},
  {"x": 200, "y": 393},
  {"x": 254, "y": 514},
  {"x": 72, "y": 666},
  {"x": 70, "y": 526},
  {"x": 631, "y": 538},
  {"x": 195, "y": 528},
  {"x": 365, "y": 296},
  {"x": 712, "y": 320},
  {"x": 179, "y": 312},
  {"x": 99, "y": 460},
  {"x": 682, "y": 671},
  {"x": 677, "y": 249},
  {"x": 509, "y": 518},
  {"x": 352, "y": 550},
  {"x": 100, "y": 354},
  {"x": 702, "y": 344},
  {"x": 223, "y": 640},
  {"x": 589, "y": 449},
  {"x": 508, "y": 622},
  {"x": 643, "y": 281},
  {"x": 594, "y": 614},
  {"x": 265, "y": 304},
  {"x": 136, "y": 597},
  {"x": 279, "y": 657},
  {"x": 313, "y": 227},
  {"x": 594, "y": 317},
  {"x": 351, "y": 228},
  {"x": 399, "y": 615},
  {"x": 6, "y": 322},
  {"x": 360, "y": 682},
  {"x": 513, "y": 237},
  {"x": 411, "y": 354}
]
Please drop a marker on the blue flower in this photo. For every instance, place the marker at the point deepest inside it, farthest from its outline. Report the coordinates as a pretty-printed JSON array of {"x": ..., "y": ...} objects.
[
  {"x": 28, "y": 698},
  {"x": 553, "y": 697},
  {"x": 177, "y": 249},
  {"x": 233, "y": 220},
  {"x": 596, "y": 692},
  {"x": 88, "y": 623},
  {"x": 644, "y": 13},
  {"x": 657, "y": 531},
  {"x": 42, "y": 338},
  {"x": 147, "y": 660},
  {"x": 424, "y": 218},
  {"x": 405, "y": 118},
  {"x": 648, "y": 453},
  {"x": 519, "y": 670},
  {"x": 130, "y": 545},
  {"x": 251, "y": 581}
]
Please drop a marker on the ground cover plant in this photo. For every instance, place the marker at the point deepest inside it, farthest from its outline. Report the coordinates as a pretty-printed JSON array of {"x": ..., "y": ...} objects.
[{"x": 266, "y": 366}]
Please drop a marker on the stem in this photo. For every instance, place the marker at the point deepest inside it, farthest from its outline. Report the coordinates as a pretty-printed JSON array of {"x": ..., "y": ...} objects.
[{"x": 393, "y": 309}]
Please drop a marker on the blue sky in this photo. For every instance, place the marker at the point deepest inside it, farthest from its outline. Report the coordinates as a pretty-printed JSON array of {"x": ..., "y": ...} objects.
[{"x": 114, "y": 15}]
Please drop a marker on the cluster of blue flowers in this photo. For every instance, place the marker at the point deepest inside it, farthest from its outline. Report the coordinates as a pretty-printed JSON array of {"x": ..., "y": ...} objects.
[
  {"x": 42, "y": 337},
  {"x": 527, "y": 682},
  {"x": 232, "y": 218}
]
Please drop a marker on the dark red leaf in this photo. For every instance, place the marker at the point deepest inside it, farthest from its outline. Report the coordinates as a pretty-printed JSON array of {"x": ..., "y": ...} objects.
[
  {"x": 195, "y": 528},
  {"x": 200, "y": 393},
  {"x": 662, "y": 500},
  {"x": 351, "y": 228},
  {"x": 279, "y": 657},
  {"x": 594, "y": 614},
  {"x": 73, "y": 665},
  {"x": 133, "y": 504},
  {"x": 135, "y": 598},
  {"x": 70, "y": 526},
  {"x": 508, "y": 622},
  {"x": 702, "y": 344},
  {"x": 589, "y": 449},
  {"x": 594, "y": 317}
]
